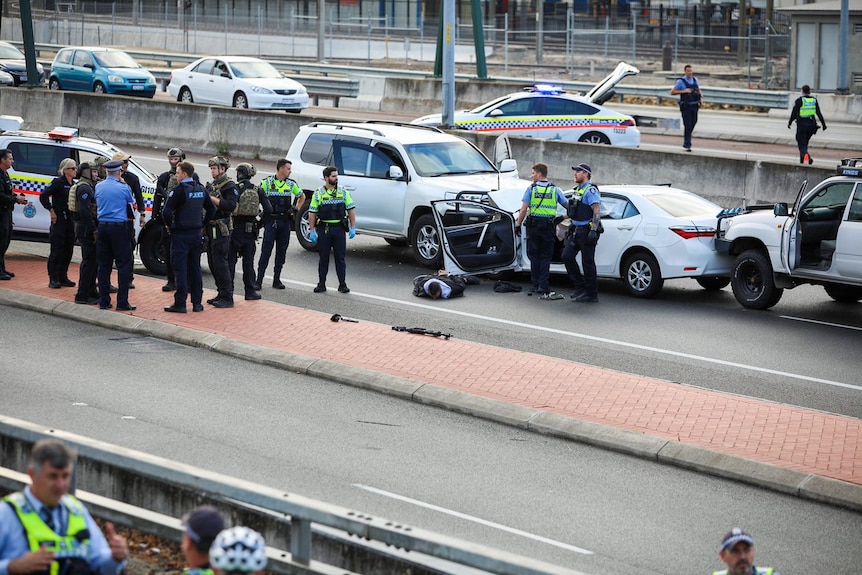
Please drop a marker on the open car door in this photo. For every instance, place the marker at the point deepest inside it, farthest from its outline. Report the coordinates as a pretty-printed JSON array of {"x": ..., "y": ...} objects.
[
  {"x": 602, "y": 92},
  {"x": 791, "y": 240},
  {"x": 476, "y": 238}
]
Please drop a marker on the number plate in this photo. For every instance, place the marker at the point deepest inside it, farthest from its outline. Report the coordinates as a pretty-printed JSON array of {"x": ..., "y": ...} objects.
[
  {"x": 137, "y": 87},
  {"x": 288, "y": 100},
  {"x": 24, "y": 78}
]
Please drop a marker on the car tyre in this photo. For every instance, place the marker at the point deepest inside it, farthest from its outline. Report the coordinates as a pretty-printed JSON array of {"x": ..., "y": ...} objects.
[
  {"x": 185, "y": 96},
  {"x": 642, "y": 275},
  {"x": 843, "y": 293},
  {"x": 713, "y": 283},
  {"x": 152, "y": 250},
  {"x": 240, "y": 100},
  {"x": 99, "y": 88},
  {"x": 300, "y": 224},
  {"x": 595, "y": 138},
  {"x": 752, "y": 282},
  {"x": 425, "y": 240},
  {"x": 54, "y": 84}
]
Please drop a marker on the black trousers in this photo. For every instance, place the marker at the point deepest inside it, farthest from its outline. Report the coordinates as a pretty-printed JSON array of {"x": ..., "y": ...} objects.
[
  {"x": 277, "y": 234},
  {"x": 578, "y": 243},
  {"x": 540, "y": 250},
  {"x": 805, "y": 128},
  {"x": 689, "y": 120},
  {"x": 62, "y": 238},
  {"x": 243, "y": 245},
  {"x": 331, "y": 238},
  {"x": 218, "y": 259},
  {"x": 186, "y": 248},
  {"x": 112, "y": 245},
  {"x": 5, "y": 235},
  {"x": 87, "y": 271}
]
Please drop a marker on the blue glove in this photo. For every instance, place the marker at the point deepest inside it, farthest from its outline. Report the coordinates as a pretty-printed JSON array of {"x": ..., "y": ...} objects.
[
  {"x": 352, "y": 233},
  {"x": 312, "y": 236}
]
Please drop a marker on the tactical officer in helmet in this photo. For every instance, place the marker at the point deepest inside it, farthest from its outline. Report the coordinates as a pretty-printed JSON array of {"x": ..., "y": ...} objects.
[
  {"x": 246, "y": 224},
  {"x": 82, "y": 205},
  {"x": 282, "y": 192},
  {"x": 331, "y": 214},
  {"x": 225, "y": 196},
  {"x": 166, "y": 182}
]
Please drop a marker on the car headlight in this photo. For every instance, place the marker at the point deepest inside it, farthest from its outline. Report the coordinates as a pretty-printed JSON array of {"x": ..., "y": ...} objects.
[
  {"x": 114, "y": 79},
  {"x": 261, "y": 90},
  {"x": 302, "y": 91},
  {"x": 151, "y": 80}
]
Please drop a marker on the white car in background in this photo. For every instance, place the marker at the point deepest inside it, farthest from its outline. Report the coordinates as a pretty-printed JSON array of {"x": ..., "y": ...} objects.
[
  {"x": 652, "y": 233},
  {"x": 238, "y": 81},
  {"x": 546, "y": 111}
]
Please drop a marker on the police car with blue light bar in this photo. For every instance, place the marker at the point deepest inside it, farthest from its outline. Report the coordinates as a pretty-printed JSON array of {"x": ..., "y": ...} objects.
[{"x": 546, "y": 111}]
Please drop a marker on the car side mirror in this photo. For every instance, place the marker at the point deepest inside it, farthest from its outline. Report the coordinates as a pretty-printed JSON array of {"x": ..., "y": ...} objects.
[
  {"x": 781, "y": 209},
  {"x": 90, "y": 66},
  {"x": 508, "y": 165},
  {"x": 396, "y": 173},
  {"x": 495, "y": 113}
]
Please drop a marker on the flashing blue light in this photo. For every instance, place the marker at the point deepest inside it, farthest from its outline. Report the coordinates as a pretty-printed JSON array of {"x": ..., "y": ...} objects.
[{"x": 547, "y": 89}]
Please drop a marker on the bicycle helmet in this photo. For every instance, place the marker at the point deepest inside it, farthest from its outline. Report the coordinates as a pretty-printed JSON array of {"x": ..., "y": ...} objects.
[
  {"x": 238, "y": 550},
  {"x": 219, "y": 161},
  {"x": 177, "y": 153},
  {"x": 245, "y": 171}
]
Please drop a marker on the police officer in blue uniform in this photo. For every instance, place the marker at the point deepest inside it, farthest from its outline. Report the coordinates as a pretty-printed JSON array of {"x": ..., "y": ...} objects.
[
  {"x": 331, "y": 213},
  {"x": 187, "y": 209},
  {"x": 8, "y": 200},
  {"x": 690, "y": 101},
  {"x": 805, "y": 108},
  {"x": 538, "y": 210},
  {"x": 113, "y": 202},
  {"x": 84, "y": 216},
  {"x": 282, "y": 192},
  {"x": 225, "y": 195},
  {"x": 583, "y": 236},
  {"x": 55, "y": 199}
]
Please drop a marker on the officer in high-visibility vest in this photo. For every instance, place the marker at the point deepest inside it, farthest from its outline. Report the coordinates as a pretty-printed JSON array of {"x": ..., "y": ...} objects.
[
  {"x": 804, "y": 110},
  {"x": 737, "y": 552},
  {"x": 331, "y": 213},
  {"x": 538, "y": 210},
  {"x": 282, "y": 192},
  {"x": 583, "y": 235},
  {"x": 44, "y": 530},
  {"x": 201, "y": 527}
]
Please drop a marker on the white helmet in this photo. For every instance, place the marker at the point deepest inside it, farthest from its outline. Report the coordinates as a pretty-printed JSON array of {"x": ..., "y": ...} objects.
[{"x": 238, "y": 550}]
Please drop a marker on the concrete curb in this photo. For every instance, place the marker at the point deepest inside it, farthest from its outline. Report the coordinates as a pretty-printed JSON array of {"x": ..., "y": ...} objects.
[{"x": 692, "y": 457}]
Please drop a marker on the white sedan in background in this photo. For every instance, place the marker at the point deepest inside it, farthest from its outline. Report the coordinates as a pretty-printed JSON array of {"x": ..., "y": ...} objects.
[
  {"x": 238, "y": 81},
  {"x": 652, "y": 233}
]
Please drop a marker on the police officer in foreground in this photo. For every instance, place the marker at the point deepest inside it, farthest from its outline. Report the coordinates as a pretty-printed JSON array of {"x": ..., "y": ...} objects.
[
  {"x": 43, "y": 529},
  {"x": 737, "y": 552},
  {"x": 188, "y": 208},
  {"x": 113, "y": 202},
  {"x": 246, "y": 225},
  {"x": 225, "y": 195},
  {"x": 166, "y": 182},
  {"x": 805, "y": 108},
  {"x": 538, "y": 210},
  {"x": 200, "y": 528},
  {"x": 55, "y": 199},
  {"x": 331, "y": 214},
  {"x": 82, "y": 206},
  {"x": 583, "y": 235},
  {"x": 8, "y": 200},
  {"x": 281, "y": 191}
]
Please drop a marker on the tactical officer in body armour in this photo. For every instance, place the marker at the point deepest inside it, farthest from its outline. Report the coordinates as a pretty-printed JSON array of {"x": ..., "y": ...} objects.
[
  {"x": 246, "y": 226},
  {"x": 82, "y": 205},
  {"x": 166, "y": 182},
  {"x": 281, "y": 191},
  {"x": 225, "y": 196}
]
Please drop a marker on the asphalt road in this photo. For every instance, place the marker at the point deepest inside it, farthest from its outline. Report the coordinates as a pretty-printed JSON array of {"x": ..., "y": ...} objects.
[{"x": 589, "y": 509}]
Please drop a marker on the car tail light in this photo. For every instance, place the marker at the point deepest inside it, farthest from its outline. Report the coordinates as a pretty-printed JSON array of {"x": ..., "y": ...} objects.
[
  {"x": 689, "y": 232},
  {"x": 629, "y": 123}
]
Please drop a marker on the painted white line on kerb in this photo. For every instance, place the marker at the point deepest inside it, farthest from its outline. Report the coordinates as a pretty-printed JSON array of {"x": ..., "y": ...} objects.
[
  {"x": 818, "y": 322},
  {"x": 637, "y": 346},
  {"x": 474, "y": 519}
]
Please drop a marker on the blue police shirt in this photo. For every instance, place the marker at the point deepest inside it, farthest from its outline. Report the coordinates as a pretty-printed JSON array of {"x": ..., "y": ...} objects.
[
  {"x": 13, "y": 541},
  {"x": 112, "y": 197},
  {"x": 528, "y": 195},
  {"x": 590, "y": 198}
]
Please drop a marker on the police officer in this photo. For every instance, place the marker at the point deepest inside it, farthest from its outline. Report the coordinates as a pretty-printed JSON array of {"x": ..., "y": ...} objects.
[
  {"x": 246, "y": 225},
  {"x": 330, "y": 211},
  {"x": 113, "y": 201},
  {"x": 8, "y": 199},
  {"x": 281, "y": 191},
  {"x": 43, "y": 529},
  {"x": 224, "y": 195},
  {"x": 82, "y": 206},
  {"x": 187, "y": 209},
  {"x": 55, "y": 199},
  {"x": 135, "y": 185},
  {"x": 583, "y": 235},
  {"x": 737, "y": 552},
  {"x": 690, "y": 101},
  {"x": 201, "y": 527},
  {"x": 166, "y": 182},
  {"x": 538, "y": 210},
  {"x": 804, "y": 110}
]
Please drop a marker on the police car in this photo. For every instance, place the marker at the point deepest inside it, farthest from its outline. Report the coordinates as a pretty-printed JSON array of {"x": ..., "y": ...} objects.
[
  {"x": 37, "y": 158},
  {"x": 546, "y": 111}
]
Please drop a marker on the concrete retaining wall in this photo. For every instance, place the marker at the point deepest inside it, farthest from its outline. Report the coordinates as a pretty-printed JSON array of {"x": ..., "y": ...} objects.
[{"x": 267, "y": 135}]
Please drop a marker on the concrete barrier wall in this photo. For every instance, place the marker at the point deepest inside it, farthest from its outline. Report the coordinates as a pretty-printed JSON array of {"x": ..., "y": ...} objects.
[{"x": 267, "y": 136}]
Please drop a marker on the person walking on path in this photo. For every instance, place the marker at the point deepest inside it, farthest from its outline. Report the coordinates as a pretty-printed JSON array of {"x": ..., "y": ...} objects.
[
  {"x": 583, "y": 235},
  {"x": 330, "y": 210},
  {"x": 690, "y": 101},
  {"x": 113, "y": 202},
  {"x": 43, "y": 529},
  {"x": 282, "y": 192},
  {"x": 538, "y": 210},
  {"x": 55, "y": 199},
  {"x": 804, "y": 111},
  {"x": 737, "y": 552},
  {"x": 8, "y": 200}
]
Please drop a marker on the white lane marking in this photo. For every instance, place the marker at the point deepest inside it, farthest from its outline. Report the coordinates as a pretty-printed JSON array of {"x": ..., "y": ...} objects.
[
  {"x": 818, "y": 322},
  {"x": 474, "y": 519},
  {"x": 603, "y": 340}
]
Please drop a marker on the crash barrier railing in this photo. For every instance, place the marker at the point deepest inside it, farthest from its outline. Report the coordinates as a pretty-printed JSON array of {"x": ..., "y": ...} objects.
[
  {"x": 342, "y": 88},
  {"x": 171, "y": 488}
]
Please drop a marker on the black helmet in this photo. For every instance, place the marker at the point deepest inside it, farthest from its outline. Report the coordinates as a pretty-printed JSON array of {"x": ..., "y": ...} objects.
[
  {"x": 84, "y": 170},
  {"x": 245, "y": 171},
  {"x": 219, "y": 161},
  {"x": 177, "y": 152}
]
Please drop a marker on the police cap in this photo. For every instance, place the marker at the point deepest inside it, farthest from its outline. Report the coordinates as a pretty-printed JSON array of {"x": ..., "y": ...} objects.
[{"x": 114, "y": 165}]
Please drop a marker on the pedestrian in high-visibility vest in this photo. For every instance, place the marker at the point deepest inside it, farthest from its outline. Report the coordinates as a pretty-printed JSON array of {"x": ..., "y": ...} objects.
[{"x": 804, "y": 111}]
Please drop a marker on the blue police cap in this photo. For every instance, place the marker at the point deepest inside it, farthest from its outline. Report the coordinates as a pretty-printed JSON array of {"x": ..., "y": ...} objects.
[
  {"x": 583, "y": 168},
  {"x": 113, "y": 165}
]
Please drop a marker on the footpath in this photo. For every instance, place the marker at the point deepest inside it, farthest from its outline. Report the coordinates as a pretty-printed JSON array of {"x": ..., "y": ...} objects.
[{"x": 801, "y": 452}]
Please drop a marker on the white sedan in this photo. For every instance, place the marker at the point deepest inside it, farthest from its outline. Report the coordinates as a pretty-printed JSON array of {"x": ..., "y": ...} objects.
[
  {"x": 238, "y": 81},
  {"x": 546, "y": 111},
  {"x": 652, "y": 233}
]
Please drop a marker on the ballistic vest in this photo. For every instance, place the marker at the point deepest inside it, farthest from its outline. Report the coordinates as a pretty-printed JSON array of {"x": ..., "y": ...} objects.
[
  {"x": 543, "y": 201},
  {"x": 578, "y": 210},
  {"x": 332, "y": 205},
  {"x": 279, "y": 192},
  {"x": 249, "y": 202},
  {"x": 809, "y": 107},
  {"x": 73, "y": 196}
]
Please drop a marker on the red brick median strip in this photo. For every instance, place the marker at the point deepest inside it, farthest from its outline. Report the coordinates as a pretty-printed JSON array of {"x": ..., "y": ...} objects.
[{"x": 795, "y": 438}]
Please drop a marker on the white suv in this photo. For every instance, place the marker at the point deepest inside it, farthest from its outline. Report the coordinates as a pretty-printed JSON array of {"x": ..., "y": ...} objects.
[
  {"x": 394, "y": 171},
  {"x": 37, "y": 158}
]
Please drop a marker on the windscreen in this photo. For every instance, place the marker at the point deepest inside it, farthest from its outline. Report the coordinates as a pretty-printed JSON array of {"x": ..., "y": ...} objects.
[
  {"x": 683, "y": 205},
  {"x": 115, "y": 60},
  {"x": 448, "y": 158},
  {"x": 254, "y": 70}
]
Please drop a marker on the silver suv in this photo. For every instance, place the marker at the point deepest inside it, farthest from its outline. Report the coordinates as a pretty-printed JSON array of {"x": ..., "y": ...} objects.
[{"x": 394, "y": 171}]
